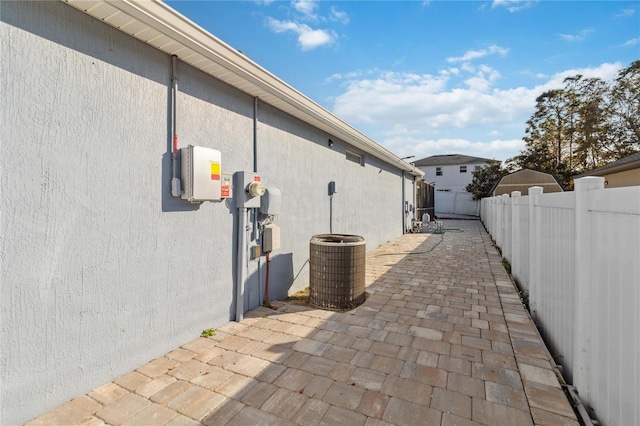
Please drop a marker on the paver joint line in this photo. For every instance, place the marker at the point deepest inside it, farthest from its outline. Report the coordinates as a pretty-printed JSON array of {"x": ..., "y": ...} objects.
[{"x": 442, "y": 338}]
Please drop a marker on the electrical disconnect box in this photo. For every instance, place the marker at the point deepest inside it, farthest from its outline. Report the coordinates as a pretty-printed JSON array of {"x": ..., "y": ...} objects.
[
  {"x": 226, "y": 189},
  {"x": 271, "y": 201},
  {"x": 201, "y": 175},
  {"x": 271, "y": 238},
  {"x": 248, "y": 189}
]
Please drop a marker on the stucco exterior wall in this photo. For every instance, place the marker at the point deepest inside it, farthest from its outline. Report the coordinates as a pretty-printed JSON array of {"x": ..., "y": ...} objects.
[{"x": 102, "y": 270}]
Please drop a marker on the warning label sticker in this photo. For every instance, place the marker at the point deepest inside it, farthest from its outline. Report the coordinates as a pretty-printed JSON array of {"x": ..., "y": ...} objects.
[{"x": 215, "y": 171}]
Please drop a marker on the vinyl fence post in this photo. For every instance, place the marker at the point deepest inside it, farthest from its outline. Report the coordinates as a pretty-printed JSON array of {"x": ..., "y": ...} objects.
[
  {"x": 583, "y": 285},
  {"x": 535, "y": 229},
  {"x": 515, "y": 233}
]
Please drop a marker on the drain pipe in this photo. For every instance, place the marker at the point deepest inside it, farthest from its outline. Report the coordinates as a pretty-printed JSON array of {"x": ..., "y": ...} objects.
[
  {"x": 241, "y": 274},
  {"x": 176, "y": 189},
  {"x": 404, "y": 214}
]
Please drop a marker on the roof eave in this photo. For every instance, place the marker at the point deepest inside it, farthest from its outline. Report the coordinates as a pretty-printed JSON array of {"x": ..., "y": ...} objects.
[{"x": 160, "y": 26}]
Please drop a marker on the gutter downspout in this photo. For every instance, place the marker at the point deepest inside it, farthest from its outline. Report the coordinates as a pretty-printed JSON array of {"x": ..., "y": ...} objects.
[{"x": 404, "y": 214}]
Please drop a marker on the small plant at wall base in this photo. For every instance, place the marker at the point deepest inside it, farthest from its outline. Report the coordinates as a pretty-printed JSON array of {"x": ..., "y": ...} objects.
[
  {"x": 208, "y": 332},
  {"x": 506, "y": 265},
  {"x": 524, "y": 296}
]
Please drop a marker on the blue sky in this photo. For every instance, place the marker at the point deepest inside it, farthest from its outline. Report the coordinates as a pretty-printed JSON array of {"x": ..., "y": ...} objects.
[{"x": 429, "y": 77}]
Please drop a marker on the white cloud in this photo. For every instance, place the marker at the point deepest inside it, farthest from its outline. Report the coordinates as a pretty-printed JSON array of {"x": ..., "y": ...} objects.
[
  {"x": 408, "y": 111},
  {"x": 308, "y": 38},
  {"x": 306, "y": 14},
  {"x": 513, "y": 5},
  {"x": 497, "y": 149},
  {"x": 632, "y": 42},
  {"x": 306, "y": 7},
  {"x": 338, "y": 15},
  {"x": 625, "y": 13},
  {"x": 477, "y": 54},
  {"x": 576, "y": 37}
]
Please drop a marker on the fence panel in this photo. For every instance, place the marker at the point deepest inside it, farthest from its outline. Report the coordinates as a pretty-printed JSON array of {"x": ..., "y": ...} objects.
[
  {"x": 520, "y": 226},
  {"x": 614, "y": 265},
  {"x": 578, "y": 255},
  {"x": 552, "y": 300}
]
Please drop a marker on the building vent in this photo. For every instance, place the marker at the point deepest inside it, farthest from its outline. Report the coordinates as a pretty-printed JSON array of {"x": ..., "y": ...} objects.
[{"x": 336, "y": 271}]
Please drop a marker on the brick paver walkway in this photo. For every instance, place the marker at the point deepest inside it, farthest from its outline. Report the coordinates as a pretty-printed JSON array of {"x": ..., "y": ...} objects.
[{"x": 441, "y": 340}]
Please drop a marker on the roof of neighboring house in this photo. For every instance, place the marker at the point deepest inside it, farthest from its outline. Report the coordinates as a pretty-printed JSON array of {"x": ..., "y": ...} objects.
[
  {"x": 626, "y": 163},
  {"x": 450, "y": 160},
  {"x": 162, "y": 27},
  {"x": 524, "y": 179}
]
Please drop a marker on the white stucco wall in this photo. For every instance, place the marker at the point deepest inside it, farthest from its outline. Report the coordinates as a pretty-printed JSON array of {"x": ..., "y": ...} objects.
[{"x": 102, "y": 270}]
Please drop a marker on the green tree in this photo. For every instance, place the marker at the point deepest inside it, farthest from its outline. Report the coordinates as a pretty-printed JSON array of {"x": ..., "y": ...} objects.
[
  {"x": 484, "y": 179},
  {"x": 625, "y": 106},
  {"x": 583, "y": 125}
]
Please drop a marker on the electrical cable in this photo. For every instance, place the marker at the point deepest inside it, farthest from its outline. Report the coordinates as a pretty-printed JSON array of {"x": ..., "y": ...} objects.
[{"x": 441, "y": 233}]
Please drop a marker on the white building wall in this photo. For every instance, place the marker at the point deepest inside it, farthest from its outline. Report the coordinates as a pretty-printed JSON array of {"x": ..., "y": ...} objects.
[
  {"x": 102, "y": 269},
  {"x": 450, "y": 189},
  {"x": 451, "y": 178}
]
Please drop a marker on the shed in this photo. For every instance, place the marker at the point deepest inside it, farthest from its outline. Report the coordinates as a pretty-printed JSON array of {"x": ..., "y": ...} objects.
[{"x": 524, "y": 179}]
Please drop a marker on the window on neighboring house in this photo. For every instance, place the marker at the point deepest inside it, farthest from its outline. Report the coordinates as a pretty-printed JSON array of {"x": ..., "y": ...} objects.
[
  {"x": 463, "y": 169},
  {"x": 356, "y": 158},
  {"x": 443, "y": 190},
  {"x": 476, "y": 168},
  {"x": 438, "y": 171}
]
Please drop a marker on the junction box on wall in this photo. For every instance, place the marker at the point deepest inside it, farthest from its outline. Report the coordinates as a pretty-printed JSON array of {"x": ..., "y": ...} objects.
[{"x": 201, "y": 174}]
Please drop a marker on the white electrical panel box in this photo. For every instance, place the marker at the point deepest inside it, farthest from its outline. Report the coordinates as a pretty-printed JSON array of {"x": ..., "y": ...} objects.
[
  {"x": 270, "y": 201},
  {"x": 271, "y": 238},
  {"x": 201, "y": 174}
]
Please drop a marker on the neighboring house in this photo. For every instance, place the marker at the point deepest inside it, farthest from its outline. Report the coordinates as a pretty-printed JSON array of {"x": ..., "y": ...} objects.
[
  {"x": 524, "y": 179},
  {"x": 450, "y": 174},
  {"x": 103, "y": 267},
  {"x": 624, "y": 172}
]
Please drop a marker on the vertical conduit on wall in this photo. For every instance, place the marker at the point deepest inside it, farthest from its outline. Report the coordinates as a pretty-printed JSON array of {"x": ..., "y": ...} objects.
[
  {"x": 404, "y": 213},
  {"x": 255, "y": 134},
  {"x": 176, "y": 189}
]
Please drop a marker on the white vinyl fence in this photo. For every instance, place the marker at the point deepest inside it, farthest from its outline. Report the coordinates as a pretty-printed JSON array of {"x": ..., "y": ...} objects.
[{"x": 577, "y": 254}]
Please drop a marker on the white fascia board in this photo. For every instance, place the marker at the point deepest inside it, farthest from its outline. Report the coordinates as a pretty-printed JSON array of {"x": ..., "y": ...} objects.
[{"x": 262, "y": 84}]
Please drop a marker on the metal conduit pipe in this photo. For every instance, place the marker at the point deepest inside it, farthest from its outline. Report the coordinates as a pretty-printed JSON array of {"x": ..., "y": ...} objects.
[
  {"x": 404, "y": 213},
  {"x": 255, "y": 135},
  {"x": 176, "y": 189},
  {"x": 241, "y": 273}
]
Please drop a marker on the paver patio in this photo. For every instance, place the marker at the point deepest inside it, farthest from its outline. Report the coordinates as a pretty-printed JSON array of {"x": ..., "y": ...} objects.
[{"x": 442, "y": 339}]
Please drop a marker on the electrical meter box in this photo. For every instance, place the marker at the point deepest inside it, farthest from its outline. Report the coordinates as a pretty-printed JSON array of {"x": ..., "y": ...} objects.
[
  {"x": 271, "y": 238},
  {"x": 201, "y": 174},
  {"x": 248, "y": 189},
  {"x": 270, "y": 201}
]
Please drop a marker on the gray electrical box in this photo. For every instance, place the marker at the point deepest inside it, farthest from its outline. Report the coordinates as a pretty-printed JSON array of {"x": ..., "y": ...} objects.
[
  {"x": 270, "y": 238},
  {"x": 271, "y": 201}
]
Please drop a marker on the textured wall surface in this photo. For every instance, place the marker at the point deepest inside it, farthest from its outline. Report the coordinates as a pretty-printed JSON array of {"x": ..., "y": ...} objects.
[{"x": 102, "y": 270}]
